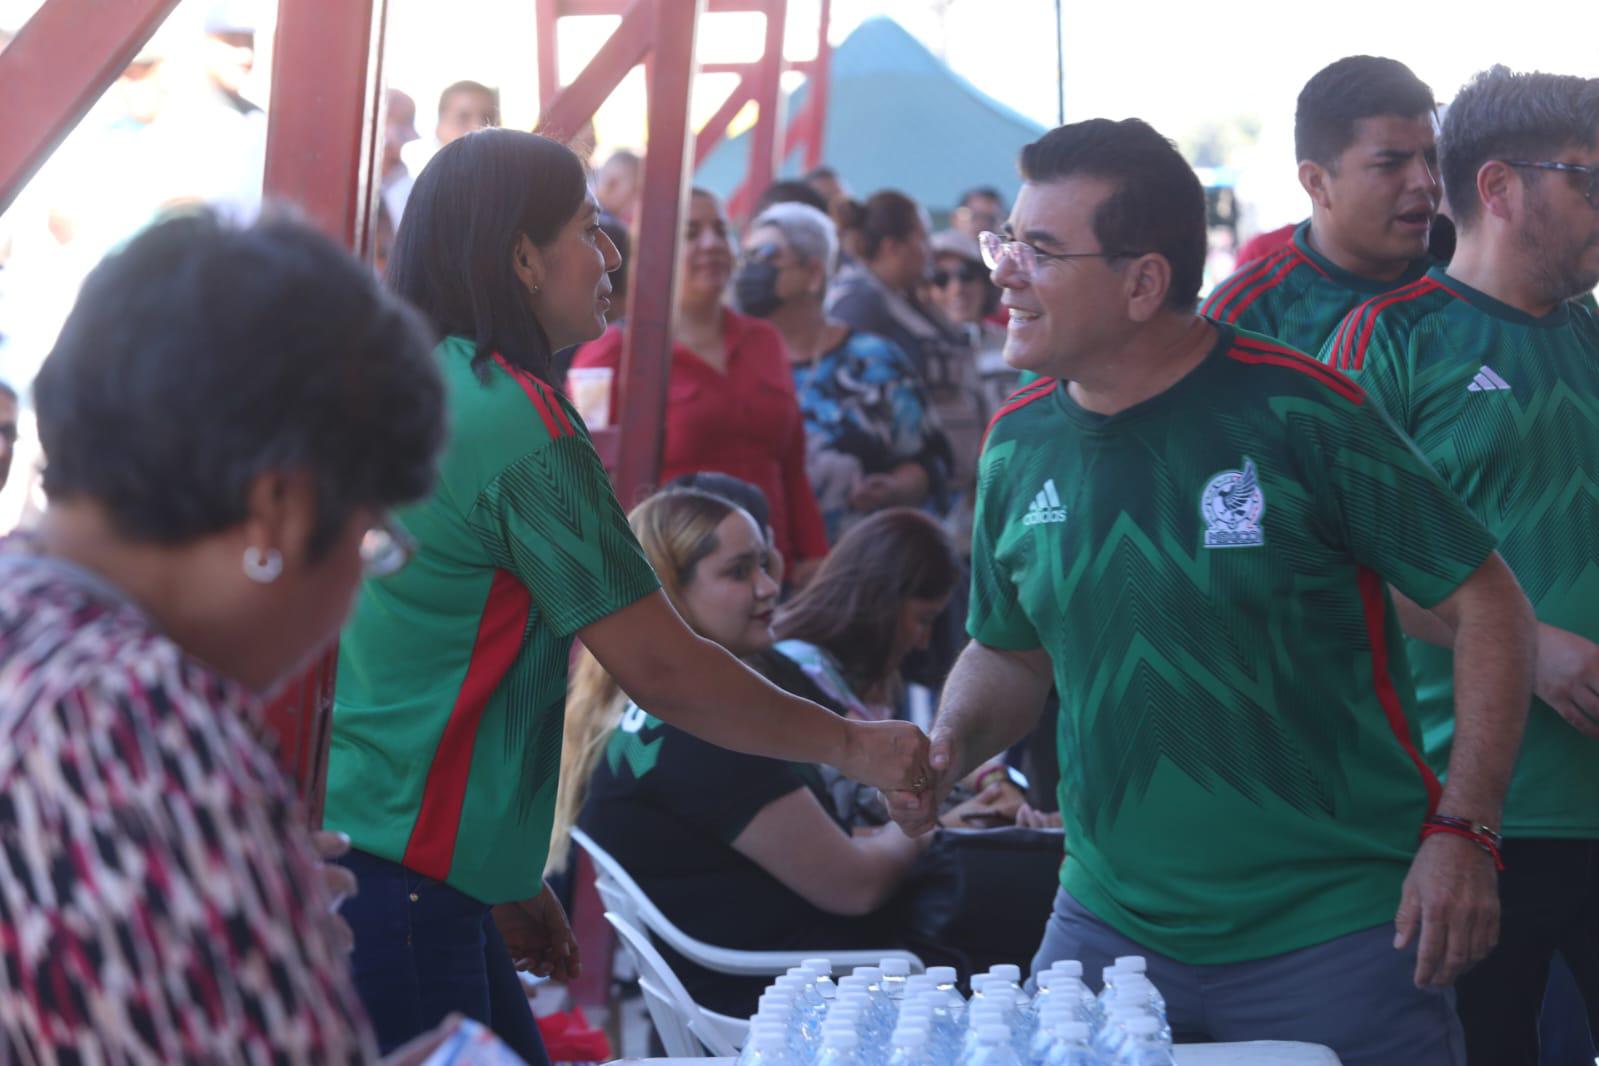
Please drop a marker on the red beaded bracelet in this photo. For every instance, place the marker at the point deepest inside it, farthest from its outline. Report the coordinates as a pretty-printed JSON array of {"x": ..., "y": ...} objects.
[{"x": 1482, "y": 840}]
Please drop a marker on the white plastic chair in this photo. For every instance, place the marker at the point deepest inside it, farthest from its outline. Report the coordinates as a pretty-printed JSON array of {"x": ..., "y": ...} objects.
[
  {"x": 623, "y": 895},
  {"x": 687, "y": 1030}
]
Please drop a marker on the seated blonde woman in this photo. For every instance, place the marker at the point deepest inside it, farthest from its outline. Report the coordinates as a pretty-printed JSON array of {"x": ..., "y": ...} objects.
[{"x": 741, "y": 851}]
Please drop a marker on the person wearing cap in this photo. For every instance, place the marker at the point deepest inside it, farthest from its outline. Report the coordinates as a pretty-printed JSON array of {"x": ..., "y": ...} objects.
[{"x": 961, "y": 289}]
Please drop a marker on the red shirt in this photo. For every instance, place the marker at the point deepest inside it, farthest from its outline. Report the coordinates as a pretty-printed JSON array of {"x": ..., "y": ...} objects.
[{"x": 744, "y": 422}]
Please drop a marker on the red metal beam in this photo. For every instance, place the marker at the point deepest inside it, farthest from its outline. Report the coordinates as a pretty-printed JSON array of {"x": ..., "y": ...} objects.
[
  {"x": 565, "y": 114},
  {"x": 647, "y": 344},
  {"x": 821, "y": 84},
  {"x": 768, "y": 97},
  {"x": 548, "y": 12},
  {"x": 711, "y": 133},
  {"x": 62, "y": 59}
]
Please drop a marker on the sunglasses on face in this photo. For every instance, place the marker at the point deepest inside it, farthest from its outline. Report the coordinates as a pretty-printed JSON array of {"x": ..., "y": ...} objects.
[{"x": 968, "y": 273}]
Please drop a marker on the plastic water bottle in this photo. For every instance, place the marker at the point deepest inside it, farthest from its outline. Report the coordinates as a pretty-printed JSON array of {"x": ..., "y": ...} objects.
[
  {"x": 1137, "y": 988},
  {"x": 1071, "y": 1046},
  {"x": 911, "y": 1045},
  {"x": 767, "y": 1046},
  {"x": 839, "y": 1047},
  {"x": 886, "y": 1007},
  {"x": 879, "y": 1015},
  {"x": 821, "y": 971},
  {"x": 1144, "y": 1045},
  {"x": 1138, "y": 967},
  {"x": 949, "y": 984},
  {"x": 895, "y": 972},
  {"x": 807, "y": 1004},
  {"x": 984, "y": 1015},
  {"x": 992, "y": 1048},
  {"x": 1051, "y": 1017},
  {"x": 1066, "y": 979},
  {"x": 1112, "y": 1032}
]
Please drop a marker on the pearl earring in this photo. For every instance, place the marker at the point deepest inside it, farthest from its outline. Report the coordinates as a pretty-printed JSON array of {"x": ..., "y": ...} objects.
[{"x": 262, "y": 567}]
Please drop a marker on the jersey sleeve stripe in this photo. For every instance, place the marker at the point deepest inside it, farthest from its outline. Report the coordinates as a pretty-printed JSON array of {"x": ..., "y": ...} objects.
[
  {"x": 1363, "y": 321},
  {"x": 1376, "y": 612},
  {"x": 431, "y": 848},
  {"x": 535, "y": 394},
  {"x": 1032, "y": 386},
  {"x": 1019, "y": 400},
  {"x": 1249, "y": 352},
  {"x": 1244, "y": 299},
  {"x": 1220, "y": 300}
]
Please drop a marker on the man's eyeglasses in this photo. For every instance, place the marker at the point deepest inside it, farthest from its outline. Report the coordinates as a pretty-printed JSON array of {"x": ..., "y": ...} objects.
[
  {"x": 1026, "y": 257},
  {"x": 386, "y": 548},
  {"x": 1591, "y": 173},
  {"x": 967, "y": 273}
]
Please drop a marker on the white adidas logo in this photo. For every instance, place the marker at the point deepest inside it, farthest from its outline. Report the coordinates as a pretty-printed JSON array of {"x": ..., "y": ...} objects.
[
  {"x": 1487, "y": 381},
  {"x": 1045, "y": 507}
]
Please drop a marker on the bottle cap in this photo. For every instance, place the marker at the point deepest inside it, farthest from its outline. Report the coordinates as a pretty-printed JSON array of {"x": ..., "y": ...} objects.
[
  {"x": 1006, "y": 971},
  {"x": 873, "y": 974},
  {"x": 1075, "y": 1031},
  {"x": 1069, "y": 967},
  {"x": 943, "y": 975},
  {"x": 1047, "y": 979},
  {"x": 917, "y": 982},
  {"x": 840, "y": 1037},
  {"x": 993, "y": 1034},
  {"x": 818, "y": 967},
  {"x": 791, "y": 981},
  {"x": 1135, "y": 963},
  {"x": 895, "y": 967},
  {"x": 911, "y": 1034},
  {"x": 769, "y": 1037},
  {"x": 1143, "y": 1025},
  {"x": 853, "y": 981},
  {"x": 979, "y": 980}
]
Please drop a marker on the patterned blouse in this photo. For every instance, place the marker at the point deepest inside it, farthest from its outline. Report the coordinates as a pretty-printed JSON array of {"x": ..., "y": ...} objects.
[{"x": 159, "y": 900}]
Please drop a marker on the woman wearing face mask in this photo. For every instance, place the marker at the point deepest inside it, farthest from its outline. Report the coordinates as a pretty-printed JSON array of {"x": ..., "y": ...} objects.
[
  {"x": 452, "y": 672},
  {"x": 873, "y": 441},
  {"x": 730, "y": 400},
  {"x": 739, "y": 851}
]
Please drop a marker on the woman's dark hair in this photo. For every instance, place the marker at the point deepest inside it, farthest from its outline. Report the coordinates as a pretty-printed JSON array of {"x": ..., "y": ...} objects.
[
  {"x": 1158, "y": 204},
  {"x": 886, "y": 213},
  {"x": 201, "y": 355},
  {"x": 851, "y": 607},
  {"x": 470, "y": 205}
]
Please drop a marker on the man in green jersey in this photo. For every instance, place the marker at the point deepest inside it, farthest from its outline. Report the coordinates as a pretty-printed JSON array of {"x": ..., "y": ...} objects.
[
  {"x": 1364, "y": 135},
  {"x": 1190, "y": 529},
  {"x": 1493, "y": 370}
]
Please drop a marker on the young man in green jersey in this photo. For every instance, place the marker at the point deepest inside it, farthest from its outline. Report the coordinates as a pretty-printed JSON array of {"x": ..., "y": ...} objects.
[
  {"x": 1190, "y": 531},
  {"x": 1493, "y": 370},
  {"x": 1364, "y": 135}
]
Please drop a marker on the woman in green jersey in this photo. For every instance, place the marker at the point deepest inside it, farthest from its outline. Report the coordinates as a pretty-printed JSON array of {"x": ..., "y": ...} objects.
[{"x": 452, "y": 672}]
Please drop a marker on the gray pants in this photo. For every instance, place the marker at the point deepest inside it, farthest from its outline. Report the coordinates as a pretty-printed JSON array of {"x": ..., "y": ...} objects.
[{"x": 1354, "y": 994}]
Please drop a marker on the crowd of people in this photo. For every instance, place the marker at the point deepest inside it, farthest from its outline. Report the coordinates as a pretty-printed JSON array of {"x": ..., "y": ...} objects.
[{"x": 1298, "y": 584}]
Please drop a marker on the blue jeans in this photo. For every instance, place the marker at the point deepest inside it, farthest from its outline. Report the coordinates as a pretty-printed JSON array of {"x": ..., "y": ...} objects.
[
  {"x": 1354, "y": 993},
  {"x": 422, "y": 950}
]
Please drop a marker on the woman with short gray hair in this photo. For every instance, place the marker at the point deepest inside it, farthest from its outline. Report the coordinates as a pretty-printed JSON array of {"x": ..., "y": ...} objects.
[{"x": 872, "y": 440}]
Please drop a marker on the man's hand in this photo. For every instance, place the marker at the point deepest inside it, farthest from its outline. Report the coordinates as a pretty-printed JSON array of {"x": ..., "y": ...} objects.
[
  {"x": 886, "y": 755},
  {"x": 916, "y": 811},
  {"x": 1451, "y": 896},
  {"x": 340, "y": 883},
  {"x": 1567, "y": 678},
  {"x": 538, "y": 936}
]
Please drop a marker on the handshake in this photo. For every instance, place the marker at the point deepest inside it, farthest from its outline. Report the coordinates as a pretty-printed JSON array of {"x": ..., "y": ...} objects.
[{"x": 914, "y": 772}]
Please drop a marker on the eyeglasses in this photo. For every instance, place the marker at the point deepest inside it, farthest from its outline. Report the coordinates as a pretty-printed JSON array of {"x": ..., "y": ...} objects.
[
  {"x": 1592, "y": 173},
  {"x": 1026, "y": 257},
  {"x": 386, "y": 548},
  {"x": 969, "y": 272}
]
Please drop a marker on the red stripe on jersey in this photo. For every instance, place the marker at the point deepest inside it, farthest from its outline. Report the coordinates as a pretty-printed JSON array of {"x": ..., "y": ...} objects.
[
  {"x": 1251, "y": 351},
  {"x": 431, "y": 848},
  {"x": 1263, "y": 286},
  {"x": 1352, "y": 354},
  {"x": 549, "y": 411},
  {"x": 1031, "y": 386},
  {"x": 1231, "y": 287},
  {"x": 1019, "y": 400},
  {"x": 1375, "y": 605}
]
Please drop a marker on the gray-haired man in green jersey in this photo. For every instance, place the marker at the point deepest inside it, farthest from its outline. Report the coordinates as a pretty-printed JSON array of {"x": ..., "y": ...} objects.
[
  {"x": 1190, "y": 531},
  {"x": 1363, "y": 132},
  {"x": 1493, "y": 371}
]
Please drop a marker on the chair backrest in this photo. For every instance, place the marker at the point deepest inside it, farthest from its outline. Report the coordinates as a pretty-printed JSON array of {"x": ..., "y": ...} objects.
[
  {"x": 685, "y": 1030},
  {"x": 616, "y": 886}
]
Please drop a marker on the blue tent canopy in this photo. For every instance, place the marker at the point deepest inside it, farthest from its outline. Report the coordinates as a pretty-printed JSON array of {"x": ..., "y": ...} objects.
[{"x": 899, "y": 118}]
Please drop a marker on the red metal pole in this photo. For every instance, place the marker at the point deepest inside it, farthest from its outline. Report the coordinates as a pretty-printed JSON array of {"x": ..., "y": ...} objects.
[
  {"x": 647, "y": 345},
  {"x": 323, "y": 138},
  {"x": 768, "y": 90},
  {"x": 821, "y": 81},
  {"x": 548, "y": 13},
  {"x": 565, "y": 114},
  {"x": 711, "y": 133},
  {"x": 62, "y": 59}
]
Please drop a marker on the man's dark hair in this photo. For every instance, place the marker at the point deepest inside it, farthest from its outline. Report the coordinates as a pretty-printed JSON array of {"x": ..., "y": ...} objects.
[
  {"x": 1158, "y": 204},
  {"x": 469, "y": 86},
  {"x": 1346, "y": 91},
  {"x": 452, "y": 256},
  {"x": 202, "y": 355},
  {"x": 787, "y": 192},
  {"x": 986, "y": 192},
  {"x": 1504, "y": 115},
  {"x": 821, "y": 172},
  {"x": 886, "y": 213}
]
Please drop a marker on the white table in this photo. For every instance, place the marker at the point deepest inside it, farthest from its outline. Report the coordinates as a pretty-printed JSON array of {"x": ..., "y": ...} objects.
[{"x": 1258, "y": 1053}]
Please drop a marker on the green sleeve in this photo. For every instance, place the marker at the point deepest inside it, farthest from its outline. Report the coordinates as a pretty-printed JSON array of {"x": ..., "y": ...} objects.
[
  {"x": 551, "y": 519},
  {"x": 1376, "y": 356},
  {"x": 995, "y": 617},
  {"x": 1385, "y": 503}
]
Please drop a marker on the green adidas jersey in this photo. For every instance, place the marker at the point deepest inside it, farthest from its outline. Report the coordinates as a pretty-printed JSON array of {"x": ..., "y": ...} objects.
[
  {"x": 451, "y": 688},
  {"x": 1239, "y": 765},
  {"x": 1506, "y": 407},
  {"x": 1296, "y": 295}
]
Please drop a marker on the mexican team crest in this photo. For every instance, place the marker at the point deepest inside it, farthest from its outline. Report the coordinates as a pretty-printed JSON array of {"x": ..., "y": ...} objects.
[{"x": 1232, "y": 506}]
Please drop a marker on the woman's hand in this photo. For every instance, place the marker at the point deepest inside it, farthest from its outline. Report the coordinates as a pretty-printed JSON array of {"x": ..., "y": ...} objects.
[
  {"x": 339, "y": 882},
  {"x": 996, "y": 805},
  {"x": 887, "y": 755},
  {"x": 1029, "y": 818},
  {"x": 538, "y": 936}
]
